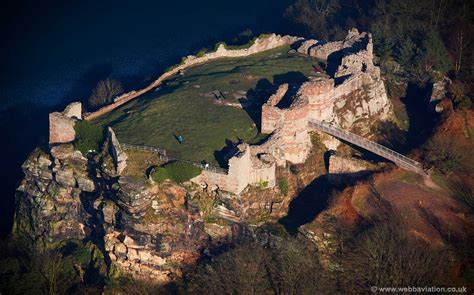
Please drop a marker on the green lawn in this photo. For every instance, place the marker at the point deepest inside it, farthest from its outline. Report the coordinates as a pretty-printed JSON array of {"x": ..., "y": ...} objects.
[{"x": 185, "y": 106}]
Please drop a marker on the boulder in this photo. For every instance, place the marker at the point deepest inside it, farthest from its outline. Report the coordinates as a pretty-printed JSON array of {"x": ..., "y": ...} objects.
[
  {"x": 85, "y": 184},
  {"x": 73, "y": 110},
  {"x": 62, "y": 151},
  {"x": 65, "y": 177},
  {"x": 119, "y": 156},
  {"x": 61, "y": 125},
  {"x": 61, "y": 128}
]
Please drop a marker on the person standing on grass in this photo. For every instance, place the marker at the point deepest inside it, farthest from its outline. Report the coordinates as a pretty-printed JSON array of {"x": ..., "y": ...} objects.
[{"x": 180, "y": 139}]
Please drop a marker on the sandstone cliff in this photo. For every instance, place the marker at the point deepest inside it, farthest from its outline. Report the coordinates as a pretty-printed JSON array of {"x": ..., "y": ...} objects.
[{"x": 152, "y": 231}]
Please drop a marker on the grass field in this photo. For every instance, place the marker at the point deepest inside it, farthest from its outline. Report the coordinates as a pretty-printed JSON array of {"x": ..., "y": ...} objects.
[{"x": 186, "y": 106}]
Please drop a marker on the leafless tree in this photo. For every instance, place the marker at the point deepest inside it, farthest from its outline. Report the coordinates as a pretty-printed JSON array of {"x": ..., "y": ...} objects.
[
  {"x": 104, "y": 93},
  {"x": 384, "y": 256},
  {"x": 242, "y": 270}
]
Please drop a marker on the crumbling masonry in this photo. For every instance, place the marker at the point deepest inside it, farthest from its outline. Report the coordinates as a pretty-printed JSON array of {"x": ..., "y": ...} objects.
[
  {"x": 349, "y": 92},
  {"x": 322, "y": 99}
]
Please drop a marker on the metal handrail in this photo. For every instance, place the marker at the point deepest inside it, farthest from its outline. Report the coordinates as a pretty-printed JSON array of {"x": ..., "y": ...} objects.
[
  {"x": 374, "y": 147},
  {"x": 164, "y": 157}
]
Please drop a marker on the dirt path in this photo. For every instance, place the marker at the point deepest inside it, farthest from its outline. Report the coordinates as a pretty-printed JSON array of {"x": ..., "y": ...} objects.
[{"x": 427, "y": 181}]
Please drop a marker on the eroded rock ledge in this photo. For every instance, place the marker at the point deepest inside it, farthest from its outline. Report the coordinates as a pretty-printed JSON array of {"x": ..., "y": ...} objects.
[{"x": 151, "y": 230}]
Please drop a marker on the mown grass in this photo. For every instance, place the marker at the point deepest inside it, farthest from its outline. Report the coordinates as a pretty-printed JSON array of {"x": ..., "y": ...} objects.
[
  {"x": 177, "y": 171},
  {"x": 89, "y": 137},
  {"x": 184, "y": 106}
]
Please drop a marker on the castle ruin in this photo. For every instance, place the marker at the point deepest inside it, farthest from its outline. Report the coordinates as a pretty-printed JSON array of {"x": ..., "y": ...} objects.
[
  {"x": 350, "y": 91},
  {"x": 321, "y": 98}
]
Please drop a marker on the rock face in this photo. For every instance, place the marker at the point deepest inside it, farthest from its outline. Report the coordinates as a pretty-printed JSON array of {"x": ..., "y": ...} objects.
[
  {"x": 438, "y": 93},
  {"x": 152, "y": 231},
  {"x": 49, "y": 206},
  {"x": 344, "y": 170},
  {"x": 61, "y": 125},
  {"x": 119, "y": 155},
  {"x": 149, "y": 233}
]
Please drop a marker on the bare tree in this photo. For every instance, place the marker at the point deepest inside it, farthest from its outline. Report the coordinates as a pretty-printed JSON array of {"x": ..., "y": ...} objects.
[
  {"x": 384, "y": 256},
  {"x": 49, "y": 265},
  {"x": 104, "y": 93},
  {"x": 243, "y": 270}
]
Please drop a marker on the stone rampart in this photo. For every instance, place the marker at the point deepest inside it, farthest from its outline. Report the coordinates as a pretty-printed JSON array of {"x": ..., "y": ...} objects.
[
  {"x": 271, "y": 113},
  {"x": 244, "y": 168},
  {"x": 260, "y": 45},
  {"x": 323, "y": 51},
  {"x": 320, "y": 99}
]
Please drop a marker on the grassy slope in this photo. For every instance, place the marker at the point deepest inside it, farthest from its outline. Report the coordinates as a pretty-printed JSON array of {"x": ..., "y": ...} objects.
[{"x": 183, "y": 109}]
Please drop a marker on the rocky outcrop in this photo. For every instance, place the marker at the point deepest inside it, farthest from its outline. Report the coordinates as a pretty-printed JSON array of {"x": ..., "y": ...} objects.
[
  {"x": 61, "y": 125},
  {"x": 49, "y": 205},
  {"x": 306, "y": 46},
  {"x": 152, "y": 231},
  {"x": 118, "y": 154},
  {"x": 146, "y": 230},
  {"x": 345, "y": 170},
  {"x": 149, "y": 233},
  {"x": 438, "y": 93}
]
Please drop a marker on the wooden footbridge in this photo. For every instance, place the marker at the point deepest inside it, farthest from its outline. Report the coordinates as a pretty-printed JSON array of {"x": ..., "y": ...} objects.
[{"x": 378, "y": 149}]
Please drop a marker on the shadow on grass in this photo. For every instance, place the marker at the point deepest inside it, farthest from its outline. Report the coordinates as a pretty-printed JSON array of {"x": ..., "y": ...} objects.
[
  {"x": 264, "y": 89},
  {"x": 222, "y": 156}
]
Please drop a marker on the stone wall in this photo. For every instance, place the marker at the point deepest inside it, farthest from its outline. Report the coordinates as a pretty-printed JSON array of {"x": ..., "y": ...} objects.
[
  {"x": 361, "y": 95},
  {"x": 272, "y": 114},
  {"x": 260, "y": 45},
  {"x": 61, "y": 125},
  {"x": 324, "y": 50},
  {"x": 245, "y": 168}
]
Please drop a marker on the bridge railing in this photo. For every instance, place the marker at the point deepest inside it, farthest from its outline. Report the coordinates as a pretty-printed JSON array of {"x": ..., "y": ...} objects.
[
  {"x": 374, "y": 147},
  {"x": 162, "y": 153}
]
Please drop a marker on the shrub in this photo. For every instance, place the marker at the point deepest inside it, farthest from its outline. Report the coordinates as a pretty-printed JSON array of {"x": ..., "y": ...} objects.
[
  {"x": 263, "y": 184},
  {"x": 201, "y": 52},
  {"x": 283, "y": 185},
  {"x": 294, "y": 169},
  {"x": 462, "y": 192},
  {"x": 89, "y": 137},
  {"x": 177, "y": 171},
  {"x": 445, "y": 154},
  {"x": 457, "y": 92},
  {"x": 104, "y": 93},
  {"x": 160, "y": 175}
]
